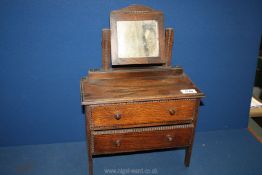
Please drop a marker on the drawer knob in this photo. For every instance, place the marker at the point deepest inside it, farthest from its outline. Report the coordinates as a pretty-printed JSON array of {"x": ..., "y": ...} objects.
[
  {"x": 169, "y": 138},
  {"x": 172, "y": 111},
  {"x": 117, "y": 143},
  {"x": 118, "y": 116}
]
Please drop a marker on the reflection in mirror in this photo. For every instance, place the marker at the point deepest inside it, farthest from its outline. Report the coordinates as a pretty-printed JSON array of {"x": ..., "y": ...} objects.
[{"x": 137, "y": 39}]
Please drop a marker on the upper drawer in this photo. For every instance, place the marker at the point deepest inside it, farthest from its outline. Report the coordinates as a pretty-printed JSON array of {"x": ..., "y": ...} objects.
[{"x": 126, "y": 115}]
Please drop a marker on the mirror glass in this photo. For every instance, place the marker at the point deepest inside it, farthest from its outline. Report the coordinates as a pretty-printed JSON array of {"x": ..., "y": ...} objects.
[{"x": 137, "y": 39}]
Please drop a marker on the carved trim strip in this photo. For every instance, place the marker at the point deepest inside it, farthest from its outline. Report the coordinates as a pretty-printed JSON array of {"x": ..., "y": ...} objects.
[
  {"x": 92, "y": 143},
  {"x": 168, "y": 39},
  {"x": 142, "y": 102},
  {"x": 90, "y": 136},
  {"x": 137, "y": 100},
  {"x": 81, "y": 90},
  {"x": 91, "y": 118},
  {"x": 158, "y": 128},
  {"x": 106, "y": 48},
  {"x": 195, "y": 120},
  {"x": 91, "y": 129},
  {"x": 134, "y": 7},
  {"x": 158, "y": 123},
  {"x": 137, "y": 12}
]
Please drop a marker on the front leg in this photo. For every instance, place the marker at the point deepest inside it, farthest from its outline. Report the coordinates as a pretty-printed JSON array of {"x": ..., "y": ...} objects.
[
  {"x": 89, "y": 139},
  {"x": 90, "y": 163},
  {"x": 188, "y": 155}
]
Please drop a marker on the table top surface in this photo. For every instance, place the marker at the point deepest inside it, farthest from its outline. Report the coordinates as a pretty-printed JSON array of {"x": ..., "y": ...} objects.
[{"x": 137, "y": 85}]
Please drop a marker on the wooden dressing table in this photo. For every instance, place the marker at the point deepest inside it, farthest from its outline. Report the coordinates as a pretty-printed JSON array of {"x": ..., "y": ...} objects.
[{"x": 137, "y": 101}]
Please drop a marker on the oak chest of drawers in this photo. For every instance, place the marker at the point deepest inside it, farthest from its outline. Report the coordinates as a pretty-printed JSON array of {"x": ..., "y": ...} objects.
[{"x": 138, "y": 108}]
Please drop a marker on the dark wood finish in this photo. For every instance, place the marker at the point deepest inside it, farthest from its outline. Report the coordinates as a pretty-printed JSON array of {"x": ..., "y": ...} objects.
[
  {"x": 169, "y": 40},
  {"x": 189, "y": 148},
  {"x": 137, "y": 13},
  {"x": 144, "y": 140},
  {"x": 135, "y": 108},
  {"x": 134, "y": 72},
  {"x": 89, "y": 140},
  {"x": 142, "y": 114},
  {"x": 137, "y": 88},
  {"x": 106, "y": 49}
]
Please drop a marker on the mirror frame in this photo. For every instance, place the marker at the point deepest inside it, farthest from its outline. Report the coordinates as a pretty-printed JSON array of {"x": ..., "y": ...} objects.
[{"x": 136, "y": 13}]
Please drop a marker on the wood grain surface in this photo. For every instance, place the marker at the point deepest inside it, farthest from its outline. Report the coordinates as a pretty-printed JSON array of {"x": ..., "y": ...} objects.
[
  {"x": 136, "y": 104},
  {"x": 142, "y": 87},
  {"x": 142, "y": 114},
  {"x": 138, "y": 141}
]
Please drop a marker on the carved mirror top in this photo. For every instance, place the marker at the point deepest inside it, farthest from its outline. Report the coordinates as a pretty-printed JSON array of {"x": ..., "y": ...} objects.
[{"x": 137, "y": 36}]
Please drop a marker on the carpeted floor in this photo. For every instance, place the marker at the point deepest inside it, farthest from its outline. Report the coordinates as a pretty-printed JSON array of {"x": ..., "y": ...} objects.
[{"x": 215, "y": 153}]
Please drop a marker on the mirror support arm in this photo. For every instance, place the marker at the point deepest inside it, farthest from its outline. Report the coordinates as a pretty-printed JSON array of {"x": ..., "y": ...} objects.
[
  {"x": 169, "y": 40},
  {"x": 106, "y": 49}
]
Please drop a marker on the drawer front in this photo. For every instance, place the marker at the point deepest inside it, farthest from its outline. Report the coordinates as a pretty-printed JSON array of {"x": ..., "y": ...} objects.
[
  {"x": 142, "y": 114},
  {"x": 117, "y": 141}
]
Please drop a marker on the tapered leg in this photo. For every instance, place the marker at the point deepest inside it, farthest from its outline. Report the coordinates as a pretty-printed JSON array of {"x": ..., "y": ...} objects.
[
  {"x": 90, "y": 164},
  {"x": 188, "y": 156}
]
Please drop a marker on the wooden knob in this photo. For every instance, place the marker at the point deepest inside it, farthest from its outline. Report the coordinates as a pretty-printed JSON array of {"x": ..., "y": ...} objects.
[
  {"x": 118, "y": 116},
  {"x": 169, "y": 138},
  {"x": 172, "y": 111},
  {"x": 117, "y": 143}
]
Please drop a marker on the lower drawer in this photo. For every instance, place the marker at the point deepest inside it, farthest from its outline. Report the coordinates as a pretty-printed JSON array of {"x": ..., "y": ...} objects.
[{"x": 138, "y": 139}]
